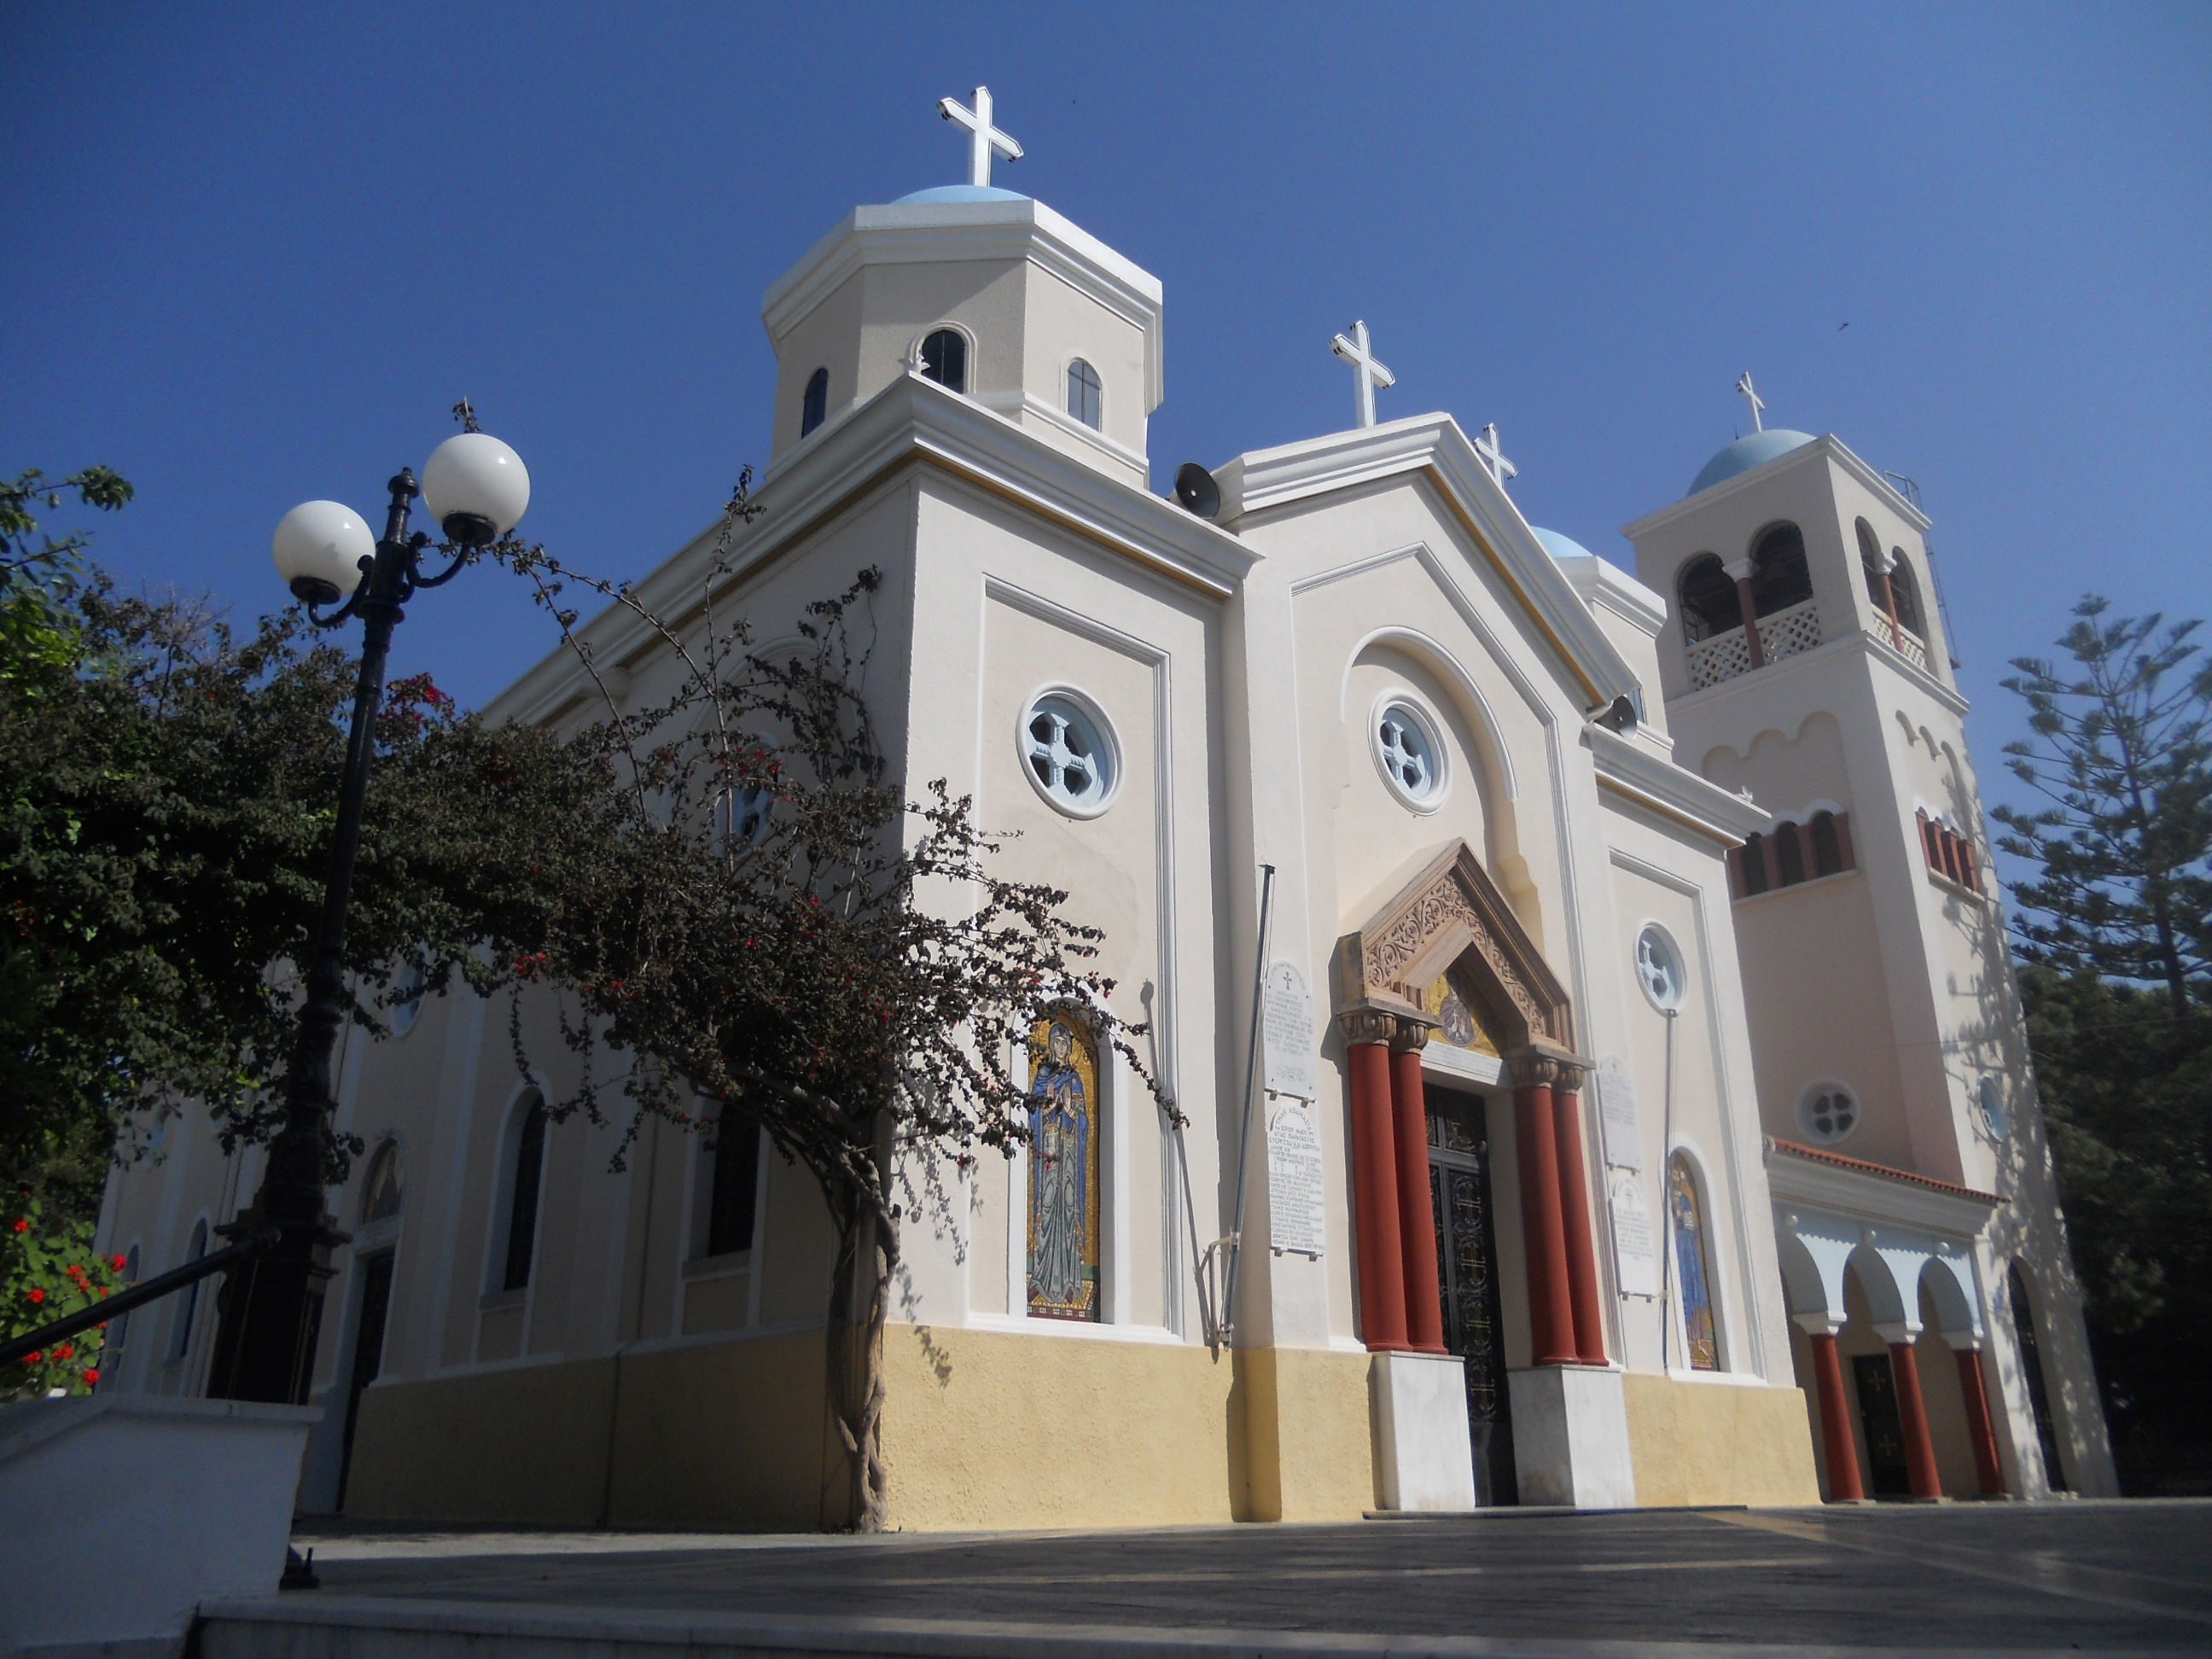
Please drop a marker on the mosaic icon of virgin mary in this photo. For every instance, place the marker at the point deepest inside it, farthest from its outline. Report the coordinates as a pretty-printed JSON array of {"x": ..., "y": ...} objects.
[{"x": 1060, "y": 1181}]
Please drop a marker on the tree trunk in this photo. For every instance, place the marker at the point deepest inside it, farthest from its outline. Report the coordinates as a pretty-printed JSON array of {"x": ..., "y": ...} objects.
[{"x": 867, "y": 1250}]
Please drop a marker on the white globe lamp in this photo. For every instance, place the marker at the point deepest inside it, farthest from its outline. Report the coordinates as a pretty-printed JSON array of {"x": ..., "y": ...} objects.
[
  {"x": 320, "y": 547},
  {"x": 476, "y": 486}
]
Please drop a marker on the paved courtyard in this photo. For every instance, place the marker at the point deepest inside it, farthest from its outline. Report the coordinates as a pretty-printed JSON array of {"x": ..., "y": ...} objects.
[{"x": 2109, "y": 1577}]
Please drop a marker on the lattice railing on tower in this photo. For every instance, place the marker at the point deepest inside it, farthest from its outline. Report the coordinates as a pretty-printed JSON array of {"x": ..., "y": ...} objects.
[
  {"x": 1909, "y": 645},
  {"x": 1787, "y": 633},
  {"x": 1722, "y": 657}
]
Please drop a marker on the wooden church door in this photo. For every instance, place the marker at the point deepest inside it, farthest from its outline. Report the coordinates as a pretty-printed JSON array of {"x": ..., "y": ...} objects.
[
  {"x": 1883, "y": 1428},
  {"x": 1466, "y": 1279}
]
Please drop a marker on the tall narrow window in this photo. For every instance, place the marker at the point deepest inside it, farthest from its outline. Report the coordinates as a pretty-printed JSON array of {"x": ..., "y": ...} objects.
[
  {"x": 1708, "y": 599},
  {"x": 1789, "y": 853},
  {"x": 945, "y": 359},
  {"x": 522, "y": 1205},
  {"x": 815, "y": 404},
  {"x": 1754, "y": 864},
  {"x": 180, "y": 1333},
  {"x": 735, "y": 1185},
  {"x": 1827, "y": 845},
  {"x": 1906, "y": 592},
  {"x": 2031, "y": 1365},
  {"x": 1780, "y": 577},
  {"x": 1692, "y": 1265},
  {"x": 1083, "y": 392},
  {"x": 1063, "y": 1209}
]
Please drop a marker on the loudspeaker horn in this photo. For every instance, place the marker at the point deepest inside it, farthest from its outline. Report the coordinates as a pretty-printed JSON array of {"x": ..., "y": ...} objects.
[{"x": 1196, "y": 490}]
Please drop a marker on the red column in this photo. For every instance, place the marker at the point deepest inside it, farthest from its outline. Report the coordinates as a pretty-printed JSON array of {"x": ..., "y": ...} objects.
[
  {"x": 1551, "y": 1308},
  {"x": 1913, "y": 1414},
  {"x": 1375, "y": 1178},
  {"x": 1417, "y": 1219},
  {"x": 1988, "y": 1472},
  {"x": 1575, "y": 1222},
  {"x": 1889, "y": 612},
  {"x": 1843, "y": 1486},
  {"x": 1750, "y": 622}
]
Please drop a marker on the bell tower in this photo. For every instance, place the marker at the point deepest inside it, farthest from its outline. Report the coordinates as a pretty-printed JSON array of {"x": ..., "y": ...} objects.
[{"x": 1804, "y": 665}]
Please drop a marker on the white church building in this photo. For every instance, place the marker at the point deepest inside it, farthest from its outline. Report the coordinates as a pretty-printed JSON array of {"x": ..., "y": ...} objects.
[{"x": 1641, "y": 1113}]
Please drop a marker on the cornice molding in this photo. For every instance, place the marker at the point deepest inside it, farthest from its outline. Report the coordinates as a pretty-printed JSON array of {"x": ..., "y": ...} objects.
[
  {"x": 1659, "y": 782},
  {"x": 1872, "y": 1194},
  {"x": 912, "y": 423},
  {"x": 1827, "y": 445},
  {"x": 1270, "y": 482},
  {"x": 926, "y": 233}
]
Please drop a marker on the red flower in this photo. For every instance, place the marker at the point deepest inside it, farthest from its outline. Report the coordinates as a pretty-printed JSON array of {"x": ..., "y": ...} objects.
[
  {"x": 63, "y": 1350},
  {"x": 118, "y": 1262},
  {"x": 22, "y": 1224},
  {"x": 32, "y": 1358},
  {"x": 92, "y": 1373},
  {"x": 35, "y": 1294}
]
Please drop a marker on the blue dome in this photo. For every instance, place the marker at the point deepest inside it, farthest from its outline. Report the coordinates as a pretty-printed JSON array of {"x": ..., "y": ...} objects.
[
  {"x": 1561, "y": 547},
  {"x": 963, "y": 193},
  {"x": 1745, "y": 454}
]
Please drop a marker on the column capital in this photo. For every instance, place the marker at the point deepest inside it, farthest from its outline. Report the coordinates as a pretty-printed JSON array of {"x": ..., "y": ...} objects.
[
  {"x": 1964, "y": 1341},
  {"x": 1410, "y": 1032},
  {"x": 1366, "y": 1024},
  {"x": 1820, "y": 1323},
  {"x": 1897, "y": 1332},
  {"x": 1738, "y": 570},
  {"x": 1570, "y": 1077},
  {"x": 1545, "y": 1068}
]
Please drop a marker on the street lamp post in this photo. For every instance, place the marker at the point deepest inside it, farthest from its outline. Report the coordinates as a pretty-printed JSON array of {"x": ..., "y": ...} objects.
[{"x": 271, "y": 1304}]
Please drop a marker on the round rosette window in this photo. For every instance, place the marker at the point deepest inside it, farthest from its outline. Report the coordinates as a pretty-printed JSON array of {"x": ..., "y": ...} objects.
[
  {"x": 1069, "y": 754},
  {"x": 1410, "y": 750},
  {"x": 1989, "y": 1096},
  {"x": 1659, "y": 968},
  {"x": 1828, "y": 1112}
]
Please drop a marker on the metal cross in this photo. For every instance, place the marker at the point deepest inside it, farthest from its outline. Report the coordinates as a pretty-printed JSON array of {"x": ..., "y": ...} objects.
[
  {"x": 1743, "y": 386},
  {"x": 984, "y": 140},
  {"x": 1486, "y": 450},
  {"x": 1367, "y": 371}
]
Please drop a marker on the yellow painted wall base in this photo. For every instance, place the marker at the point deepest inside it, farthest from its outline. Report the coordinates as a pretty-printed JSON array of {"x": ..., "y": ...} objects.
[
  {"x": 1694, "y": 1443},
  {"x": 1308, "y": 1439},
  {"x": 718, "y": 1434}
]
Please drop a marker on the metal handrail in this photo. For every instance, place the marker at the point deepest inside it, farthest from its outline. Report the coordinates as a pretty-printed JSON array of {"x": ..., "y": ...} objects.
[{"x": 138, "y": 1294}]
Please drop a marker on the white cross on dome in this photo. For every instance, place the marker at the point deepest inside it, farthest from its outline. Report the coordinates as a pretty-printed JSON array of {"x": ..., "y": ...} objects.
[{"x": 984, "y": 140}]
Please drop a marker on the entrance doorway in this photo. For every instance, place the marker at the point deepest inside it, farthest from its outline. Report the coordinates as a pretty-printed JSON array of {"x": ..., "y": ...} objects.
[
  {"x": 1885, "y": 1429},
  {"x": 367, "y": 1352},
  {"x": 1466, "y": 1279}
]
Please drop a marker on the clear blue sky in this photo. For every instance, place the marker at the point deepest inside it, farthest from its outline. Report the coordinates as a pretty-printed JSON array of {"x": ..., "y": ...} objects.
[{"x": 258, "y": 250}]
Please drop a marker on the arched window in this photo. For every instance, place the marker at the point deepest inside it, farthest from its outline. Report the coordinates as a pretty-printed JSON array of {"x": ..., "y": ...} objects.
[
  {"x": 1709, "y": 600},
  {"x": 733, "y": 1183},
  {"x": 815, "y": 406},
  {"x": 1789, "y": 853},
  {"x": 1083, "y": 392},
  {"x": 1751, "y": 859},
  {"x": 1906, "y": 592},
  {"x": 528, "y": 1167},
  {"x": 1780, "y": 577},
  {"x": 1063, "y": 1144},
  {"x": 1693, "y": 1271},
  {"x": 381, "y": 1192},
  {"x": 120, "y": 1331},
  {"x": 2031, "y": 1364},
  {"x": 188, "y": 1306},
  {"x": 945, "y": 359},
  {"x": 1827, "y": 845}
]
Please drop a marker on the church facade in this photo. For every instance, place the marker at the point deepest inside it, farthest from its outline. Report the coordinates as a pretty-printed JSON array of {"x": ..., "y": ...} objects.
[{"x": 1586, "y": 992}]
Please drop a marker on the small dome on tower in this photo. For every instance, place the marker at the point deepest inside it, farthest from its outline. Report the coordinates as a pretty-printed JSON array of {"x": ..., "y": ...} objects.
[
  {"x": 963, "y": 193},
  {"x": 1755, "y": 449},
  {"x": 1561, "y": 547}
]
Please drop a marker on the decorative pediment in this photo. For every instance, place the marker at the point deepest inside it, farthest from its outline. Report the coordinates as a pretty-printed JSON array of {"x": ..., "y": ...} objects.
[{"x": 1452, "y": 915}]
